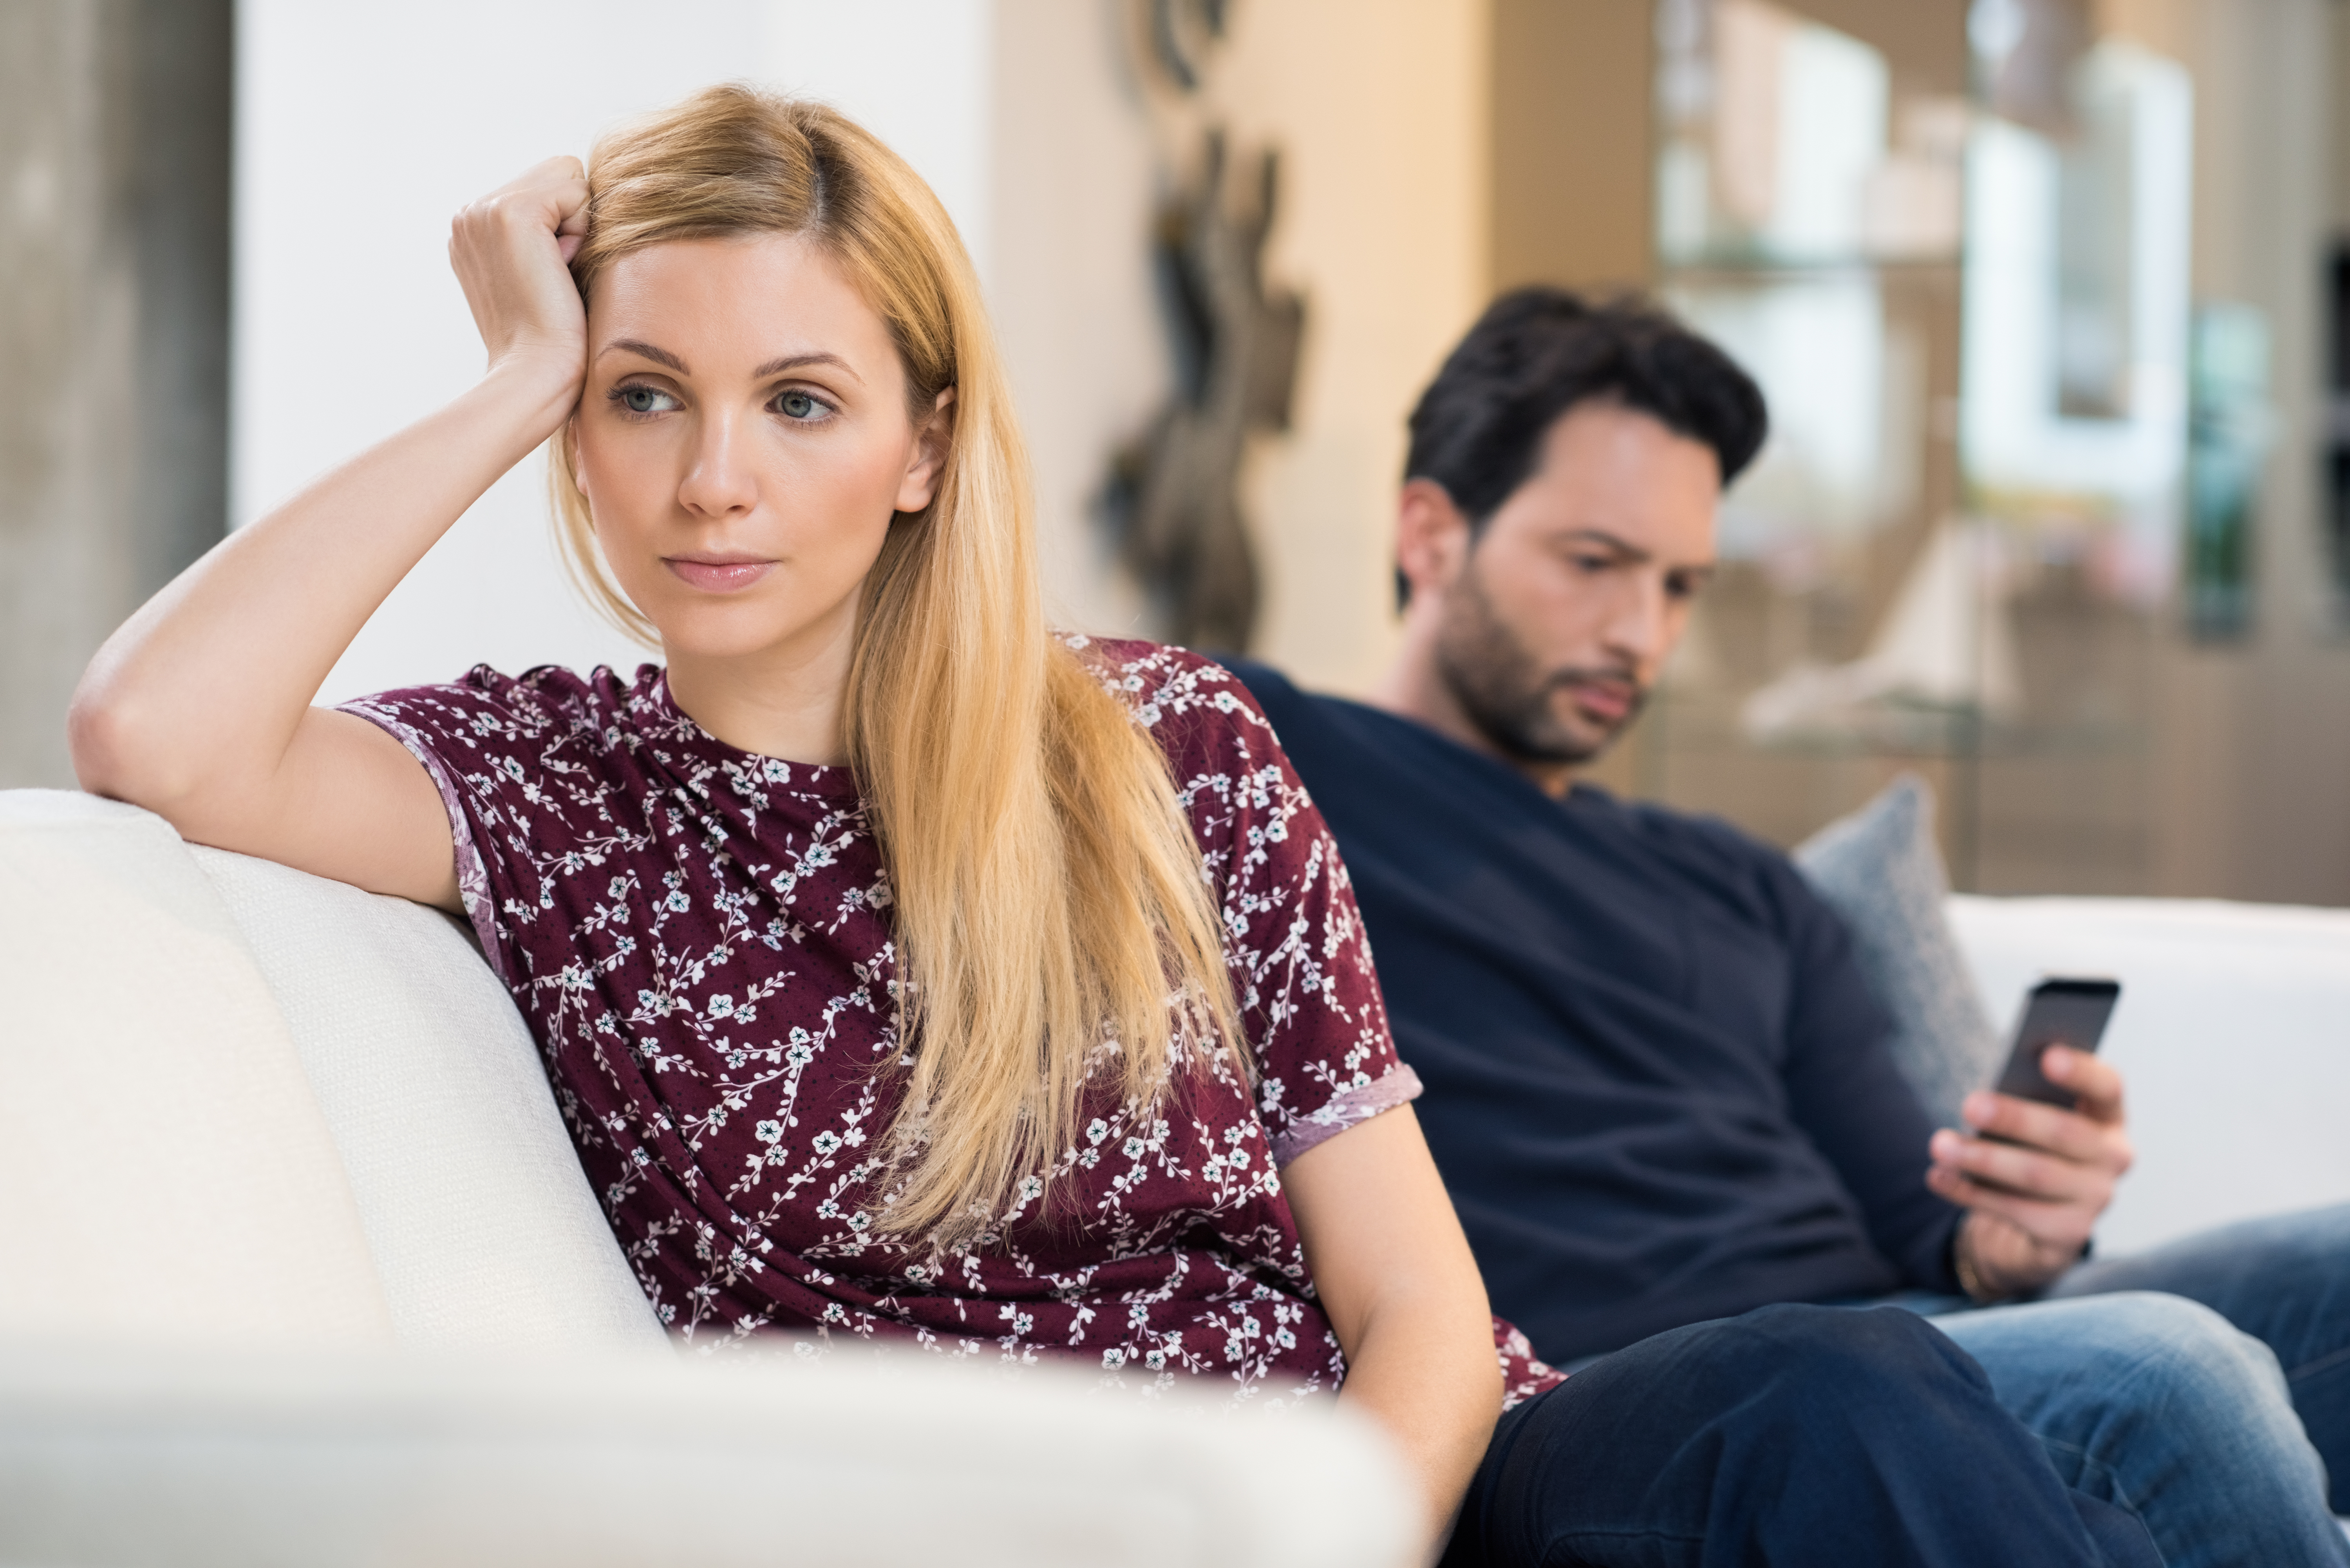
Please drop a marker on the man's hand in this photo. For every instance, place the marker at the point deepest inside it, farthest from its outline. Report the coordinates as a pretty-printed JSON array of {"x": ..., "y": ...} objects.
[{"x": 2037, "y": 1183}]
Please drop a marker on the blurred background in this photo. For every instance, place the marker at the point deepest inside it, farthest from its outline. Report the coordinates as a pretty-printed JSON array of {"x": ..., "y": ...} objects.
[{"x": 2051, "y": 298}]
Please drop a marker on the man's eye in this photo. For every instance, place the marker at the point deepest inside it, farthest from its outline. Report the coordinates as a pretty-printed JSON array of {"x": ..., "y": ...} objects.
[{"x": 799, "y": 405}]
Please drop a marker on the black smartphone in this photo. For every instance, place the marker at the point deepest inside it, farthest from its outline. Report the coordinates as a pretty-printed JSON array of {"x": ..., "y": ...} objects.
[{"x": 2059, "y": 1012}]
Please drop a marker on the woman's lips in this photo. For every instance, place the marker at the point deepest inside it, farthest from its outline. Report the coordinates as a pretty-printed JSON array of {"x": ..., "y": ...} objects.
[{"x": 719, "y": 577}]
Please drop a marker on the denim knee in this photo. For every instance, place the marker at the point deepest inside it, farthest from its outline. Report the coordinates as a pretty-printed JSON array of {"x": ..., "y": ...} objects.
[
  {"x": 1867, "y": 1344},
  {"x": 2170, "y": 1358},
  {"x": 1840, "y": 1368}
]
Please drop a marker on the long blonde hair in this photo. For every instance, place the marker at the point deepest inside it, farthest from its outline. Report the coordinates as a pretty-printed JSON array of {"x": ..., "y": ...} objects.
[{"x": 1054, "y": 917}]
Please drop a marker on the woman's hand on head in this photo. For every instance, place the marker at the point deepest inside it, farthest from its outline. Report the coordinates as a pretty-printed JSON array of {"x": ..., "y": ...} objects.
[{"x": 512, "y": 251}]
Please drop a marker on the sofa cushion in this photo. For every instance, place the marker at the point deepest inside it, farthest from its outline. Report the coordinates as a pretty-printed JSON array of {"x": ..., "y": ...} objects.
[
  {"x": 483, "y": 1225},
  {"x": 167, "y": 1174},
  {"x": 1881, "y": 871}
]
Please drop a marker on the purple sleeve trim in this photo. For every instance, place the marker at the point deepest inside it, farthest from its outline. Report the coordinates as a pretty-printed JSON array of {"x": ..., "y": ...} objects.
[
  {"x": 1350, "y": 1107},
  {"x": 472, "y": 878}
]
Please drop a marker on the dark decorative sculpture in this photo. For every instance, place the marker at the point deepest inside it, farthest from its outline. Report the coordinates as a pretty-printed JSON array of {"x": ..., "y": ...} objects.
[
  {"x": 1182, "y": 30},
  {"x": 1173, "y": 498}
]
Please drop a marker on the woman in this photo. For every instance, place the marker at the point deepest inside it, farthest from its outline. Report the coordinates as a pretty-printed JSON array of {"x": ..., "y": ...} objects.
[{"x": 900, "y": 969}]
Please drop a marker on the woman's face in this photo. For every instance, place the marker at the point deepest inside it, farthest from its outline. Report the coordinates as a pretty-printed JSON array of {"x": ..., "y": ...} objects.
[{"x": 743, "y": 441}]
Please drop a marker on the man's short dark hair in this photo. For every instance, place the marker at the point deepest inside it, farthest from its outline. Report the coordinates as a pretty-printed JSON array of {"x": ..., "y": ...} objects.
[{"x": 1536, "y": 353}]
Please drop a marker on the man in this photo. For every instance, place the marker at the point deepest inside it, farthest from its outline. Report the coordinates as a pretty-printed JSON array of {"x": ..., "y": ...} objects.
[{"x": 1657, "y": 1084}]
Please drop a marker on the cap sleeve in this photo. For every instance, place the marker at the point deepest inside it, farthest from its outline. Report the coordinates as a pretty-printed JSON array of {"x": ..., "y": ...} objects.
[
  {"x": 1293, "y": 941},
  {"x": 511, "y": 757}
]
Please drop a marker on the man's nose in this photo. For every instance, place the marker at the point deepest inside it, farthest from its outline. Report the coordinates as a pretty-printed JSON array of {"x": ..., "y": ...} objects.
[
  {"x": 1640, "y": 631},
  {"x": 720, "y": 482}
]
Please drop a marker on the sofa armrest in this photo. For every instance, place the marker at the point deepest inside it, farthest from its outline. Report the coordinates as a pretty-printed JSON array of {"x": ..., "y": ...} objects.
[{"x": 334, "y": 1463}]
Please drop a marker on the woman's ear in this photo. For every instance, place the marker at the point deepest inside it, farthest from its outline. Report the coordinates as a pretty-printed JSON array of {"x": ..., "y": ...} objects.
[
  {"x": 566, "y": 452},
  {"x": 920, "y": 484}
]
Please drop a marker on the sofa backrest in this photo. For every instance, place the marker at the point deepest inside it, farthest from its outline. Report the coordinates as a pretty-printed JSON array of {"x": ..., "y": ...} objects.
[
  {"x": 479, "y": 1218},
  {"x": 275, "y": 1089},
  {"x": 167, "y": 1178}
]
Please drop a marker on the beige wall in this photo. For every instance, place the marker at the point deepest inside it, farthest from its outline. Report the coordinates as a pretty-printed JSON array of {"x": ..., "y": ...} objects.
[
  {"x": 1573, "y": 143},
  {"x": 1379, "y": 109},
  {"x": 1069, "y": 280}
]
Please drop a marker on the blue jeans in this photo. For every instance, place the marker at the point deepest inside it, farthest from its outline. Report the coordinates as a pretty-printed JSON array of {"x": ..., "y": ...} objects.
[
  {"x": 1793, "y": 1434},
  {"x": 2214, "y": 1410}
]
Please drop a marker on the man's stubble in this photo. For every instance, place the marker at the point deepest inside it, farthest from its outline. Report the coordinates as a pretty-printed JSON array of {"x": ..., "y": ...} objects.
[{"x": 1501, "y": 689}]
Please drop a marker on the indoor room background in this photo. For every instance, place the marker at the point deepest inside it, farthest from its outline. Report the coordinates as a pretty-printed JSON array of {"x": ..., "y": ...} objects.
[{"x": 2049, "y": 298}]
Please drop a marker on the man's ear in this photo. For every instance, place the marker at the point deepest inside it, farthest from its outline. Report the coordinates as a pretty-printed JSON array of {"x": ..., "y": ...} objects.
[
  {"x": 920, "y": 484},
  {"x": 1432, "y": 539}
]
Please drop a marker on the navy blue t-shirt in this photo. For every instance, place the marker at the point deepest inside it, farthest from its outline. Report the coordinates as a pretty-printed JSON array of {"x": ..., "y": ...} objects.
[{"x": 1655, "y": 1080}]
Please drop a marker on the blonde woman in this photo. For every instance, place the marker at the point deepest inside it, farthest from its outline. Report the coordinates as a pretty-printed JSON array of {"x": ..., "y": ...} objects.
[{"x": 900, "y": 969}]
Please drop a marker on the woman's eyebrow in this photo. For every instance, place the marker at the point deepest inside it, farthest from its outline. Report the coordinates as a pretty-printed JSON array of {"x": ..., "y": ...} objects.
[
  {"x": 795, "y": 361},
  {"x": 645, "y": 351}
]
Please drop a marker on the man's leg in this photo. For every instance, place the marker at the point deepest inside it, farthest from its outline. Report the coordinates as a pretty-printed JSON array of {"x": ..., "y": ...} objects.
[
  {"x": 2155, "y": 1404},
  {"x": 1792, "y": 1434},
  {"x": 2285, "y": 1282}
]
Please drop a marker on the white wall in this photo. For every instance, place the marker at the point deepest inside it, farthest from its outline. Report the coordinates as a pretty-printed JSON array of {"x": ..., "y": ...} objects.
[{"x": 361, "y": 128}]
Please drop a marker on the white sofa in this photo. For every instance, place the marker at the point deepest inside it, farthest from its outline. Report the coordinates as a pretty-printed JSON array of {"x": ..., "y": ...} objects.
[{"x": 296, "y": 1266}]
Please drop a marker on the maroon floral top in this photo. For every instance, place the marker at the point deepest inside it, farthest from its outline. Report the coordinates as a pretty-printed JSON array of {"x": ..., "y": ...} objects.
[{"x": 700, "y": 941}]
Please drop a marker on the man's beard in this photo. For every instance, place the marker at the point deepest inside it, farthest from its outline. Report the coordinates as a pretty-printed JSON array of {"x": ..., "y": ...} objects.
[{"x": 1504, "y": 692}]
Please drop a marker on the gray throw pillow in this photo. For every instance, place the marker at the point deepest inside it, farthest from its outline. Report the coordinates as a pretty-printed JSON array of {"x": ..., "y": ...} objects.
[{"x": 1880, "y": 869}]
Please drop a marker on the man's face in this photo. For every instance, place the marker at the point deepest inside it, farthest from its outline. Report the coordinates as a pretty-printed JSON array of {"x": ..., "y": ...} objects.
[{"x": 1570, "y": 600}]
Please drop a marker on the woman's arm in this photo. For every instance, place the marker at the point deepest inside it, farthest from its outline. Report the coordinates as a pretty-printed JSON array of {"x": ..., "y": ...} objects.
[
  {"x": 198, "y": 707},
  {"x": 1395, "y": 1274}
]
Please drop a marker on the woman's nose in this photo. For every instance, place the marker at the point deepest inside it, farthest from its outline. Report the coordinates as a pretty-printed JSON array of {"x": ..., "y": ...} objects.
[{"x": 719, "y": 481}]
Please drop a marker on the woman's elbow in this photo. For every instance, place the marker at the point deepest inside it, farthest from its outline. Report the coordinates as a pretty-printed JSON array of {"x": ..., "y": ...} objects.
[{"x": 117, "y": 749}]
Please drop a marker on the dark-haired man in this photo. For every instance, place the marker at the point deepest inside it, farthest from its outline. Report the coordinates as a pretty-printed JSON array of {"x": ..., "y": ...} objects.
[{"x": 1656, "y": 1082}]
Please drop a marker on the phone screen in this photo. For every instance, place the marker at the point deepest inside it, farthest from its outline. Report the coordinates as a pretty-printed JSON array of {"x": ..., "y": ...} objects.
[{"x": 2059, "y": 1013}]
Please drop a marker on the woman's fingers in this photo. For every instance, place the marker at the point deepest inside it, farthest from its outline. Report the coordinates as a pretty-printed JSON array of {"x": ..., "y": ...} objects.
[
  {"x": 512, "y": 252},
  {"x": 573, "y": 178}
]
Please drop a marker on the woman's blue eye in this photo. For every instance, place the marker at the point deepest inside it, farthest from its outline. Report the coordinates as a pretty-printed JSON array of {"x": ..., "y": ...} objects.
[
  {"x": 642, "y": 400},
  {"x": 797, "y": 405}
]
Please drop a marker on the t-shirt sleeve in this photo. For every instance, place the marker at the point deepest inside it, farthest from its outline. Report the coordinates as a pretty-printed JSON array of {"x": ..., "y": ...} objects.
[
  {"x": 496, "y": 746},
  {"x": 1849, "y": 1098},
  {"x": 1294, "y": 940}
]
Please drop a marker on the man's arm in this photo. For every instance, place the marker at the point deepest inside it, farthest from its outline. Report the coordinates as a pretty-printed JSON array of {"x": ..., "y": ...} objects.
[{"x": 1849, "y": 1097}]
